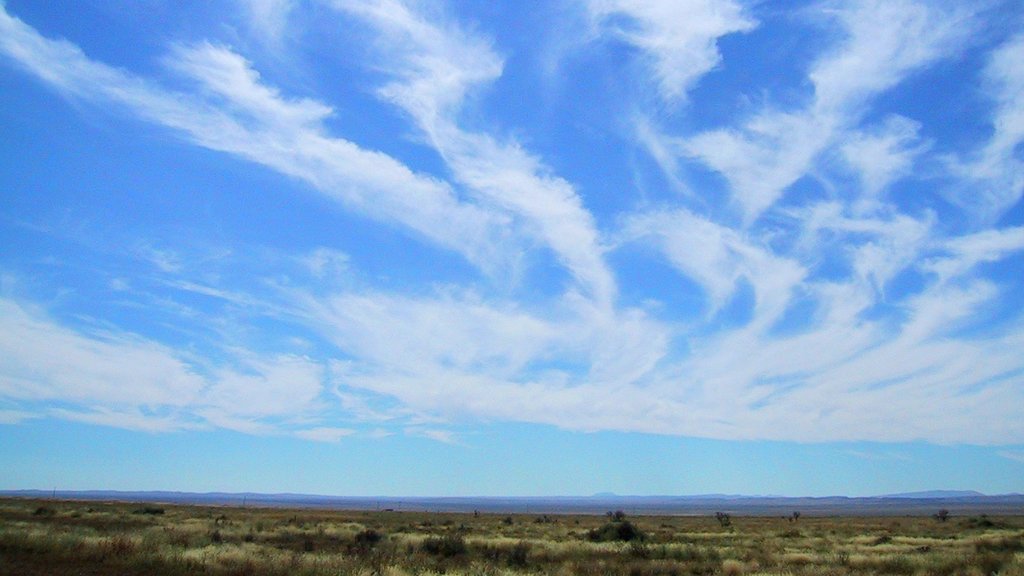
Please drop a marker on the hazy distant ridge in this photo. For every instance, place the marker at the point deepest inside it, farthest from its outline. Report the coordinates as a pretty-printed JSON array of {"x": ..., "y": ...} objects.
[
  {"x": 914, "y": 503},
  {"x": 937, "y": 494}
]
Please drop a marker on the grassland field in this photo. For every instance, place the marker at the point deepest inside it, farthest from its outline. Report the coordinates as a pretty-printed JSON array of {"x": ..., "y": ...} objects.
[{"x": 92, "y": 538}]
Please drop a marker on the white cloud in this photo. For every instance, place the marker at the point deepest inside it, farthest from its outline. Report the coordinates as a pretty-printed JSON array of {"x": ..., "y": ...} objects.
[
  {"x": 119, "y": 379},
  {"x": 679, "y": 37},
  {"x": 437, "y": 65},
  {"x": 163, "y": 260},
  {"x": 879, "y": 247},
  {"x": 414, "y": 334},
  {"x": 996, "y": 172},
  {"x": 269, "y": 18},
  {"x": 125, "y": 418},
  {"x": 882, "y": 155},
  {"x": 717, "y": 257},
  {"x": 283, "y": 386},
  {"x": 839, "y": 345},
  {"x": 882, "y": 42},
  {"x": 326, "y": 262},
  {"x": 455, "y": 356},
  {"x": 966, "y": 252},
  {"x": 443, "y": 436},
  {"x": 224, "y": 75},
  {"x": 324, "y": 434},
  {"x": 40, "y": 360},
  {"x": 882, "y": 456},
  {"x": 763, "y": 158},
  {"x": 237, "y": 114},
  {"x": 16, "y": 416}
]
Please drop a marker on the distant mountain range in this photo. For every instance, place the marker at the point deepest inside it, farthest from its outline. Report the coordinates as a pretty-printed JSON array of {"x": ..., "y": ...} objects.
[
  {"x": 958, "y": 502},
  {"x": 937, "y": 494}
]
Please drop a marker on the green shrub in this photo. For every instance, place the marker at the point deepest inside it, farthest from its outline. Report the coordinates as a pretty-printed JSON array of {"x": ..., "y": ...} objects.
[
  {"x": 992, "y": 562},
  {"x": 1003, "y": 544},
  {"x": 897, "y": 565},
  {"x": 365, "y": 540},
  {"x": 519, "y": 554},
  {"x": 638, "y": 549},
  {"x": 514, "y": 556},
  {"x": 449, "y": 545},
  {"x": 623, "y": 531}
]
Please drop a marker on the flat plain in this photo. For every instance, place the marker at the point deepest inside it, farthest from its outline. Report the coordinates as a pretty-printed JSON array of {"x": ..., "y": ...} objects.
[{"x": 61, "y": 537}]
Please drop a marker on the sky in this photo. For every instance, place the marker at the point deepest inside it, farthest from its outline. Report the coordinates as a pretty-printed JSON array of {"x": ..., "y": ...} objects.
[{"x": 390, "y": 247}]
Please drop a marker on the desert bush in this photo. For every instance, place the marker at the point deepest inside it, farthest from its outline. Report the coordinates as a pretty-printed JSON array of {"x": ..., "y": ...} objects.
[
  {"x": 519, "y": 554},
  {"x": 638, "y": 549},
  {"x": 365, "y": 540},
  {"x": 623, "y": 531},
  {"x": 898, "y": 564},
  {"x": 514, "y": 555},
  {"x": 841, "y": 557},
  {"x": 117, "y": 547},
  {"x": 1002, "y": 544},
  {"x": 732, "y": 567},
  {"x": 447, "y": 546},
  {"x": 616, "y": 516}
]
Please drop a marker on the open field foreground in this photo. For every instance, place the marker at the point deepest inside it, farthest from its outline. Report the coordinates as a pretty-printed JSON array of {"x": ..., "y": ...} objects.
[{"x": 91, "y": 538}]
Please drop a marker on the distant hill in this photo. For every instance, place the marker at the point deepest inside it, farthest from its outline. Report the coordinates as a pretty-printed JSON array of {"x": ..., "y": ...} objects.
[
  {"x": 958, "y": 502},
  {"x": 937, "y": 494}
]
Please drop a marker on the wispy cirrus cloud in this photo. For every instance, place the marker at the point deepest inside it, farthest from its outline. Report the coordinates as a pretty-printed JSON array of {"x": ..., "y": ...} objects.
[
  {"x": 437, "y": 65},
  {"x": 846, "y": 312},
  {"x": 719, "y": 257},
  {"x": 878, "y": 44},
  {"x": 881, "y": 156},
  {"x": 678, "y": 38},
  {"x": 269, "y": 18},
  {"x": 126, "y": 380},
  {"x": 996, "y": 171},
  {"x": 233, "y": 112}
]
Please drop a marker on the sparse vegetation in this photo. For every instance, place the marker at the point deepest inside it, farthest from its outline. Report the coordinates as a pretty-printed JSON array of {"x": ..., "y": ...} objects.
[
  {"x": 623, "y": 531},
  {"x": 724, "y": 519},
  {"x": 64, "y": 538}
]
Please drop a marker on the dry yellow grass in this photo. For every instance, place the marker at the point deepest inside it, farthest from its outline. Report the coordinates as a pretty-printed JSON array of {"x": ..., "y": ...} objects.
[{"x": 48, "y": 537}]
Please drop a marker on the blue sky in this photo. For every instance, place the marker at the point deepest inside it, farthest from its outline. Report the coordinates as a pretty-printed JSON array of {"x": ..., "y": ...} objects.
[{"x": 505, "y": 248}]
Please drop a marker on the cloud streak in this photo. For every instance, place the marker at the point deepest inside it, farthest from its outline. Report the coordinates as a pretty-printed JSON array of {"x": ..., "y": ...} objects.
[
  {"x": 813, "y": 283},
  {"x": 234, "y": 112},
  {"x": 879, "y": 44},
  {"x": 677, "y": 38},
  {"x": 437, "y": 65}
]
